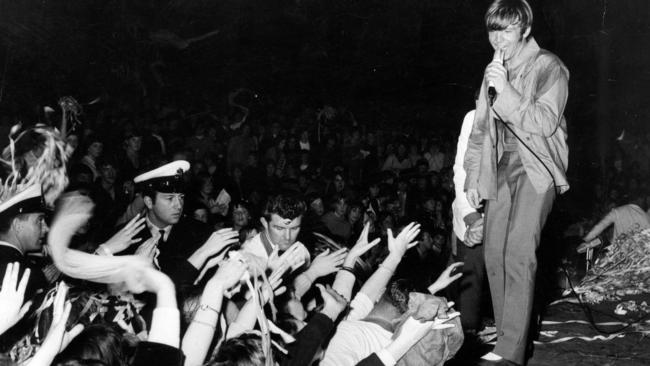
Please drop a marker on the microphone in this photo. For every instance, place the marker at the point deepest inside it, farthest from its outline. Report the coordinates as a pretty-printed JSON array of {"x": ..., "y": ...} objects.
[{"x": 492, "y": 92}]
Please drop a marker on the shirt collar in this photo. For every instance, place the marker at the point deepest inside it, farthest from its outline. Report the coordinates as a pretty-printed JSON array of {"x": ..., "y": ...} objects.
[
  {"x": 155, "y": 230},
  {"x": 531, "y": 48},
  {"x": 267, "y": 243},
  {"x": 7, "y": 244}
]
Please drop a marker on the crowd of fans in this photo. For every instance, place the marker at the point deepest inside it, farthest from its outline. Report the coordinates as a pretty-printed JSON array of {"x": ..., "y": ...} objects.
[{"x": 282, "y": 242}]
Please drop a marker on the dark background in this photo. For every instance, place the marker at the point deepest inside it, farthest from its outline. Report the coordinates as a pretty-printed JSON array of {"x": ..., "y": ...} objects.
[{"x": 388, "y": 61}]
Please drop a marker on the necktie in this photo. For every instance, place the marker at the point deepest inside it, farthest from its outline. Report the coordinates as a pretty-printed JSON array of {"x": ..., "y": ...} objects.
[{"x": 161, "y": 241}]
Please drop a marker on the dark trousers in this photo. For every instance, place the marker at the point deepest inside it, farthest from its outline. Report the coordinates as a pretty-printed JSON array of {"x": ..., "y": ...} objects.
[
  {"x": 470, "y": 286},
  {"x": 513, "y": 225}
]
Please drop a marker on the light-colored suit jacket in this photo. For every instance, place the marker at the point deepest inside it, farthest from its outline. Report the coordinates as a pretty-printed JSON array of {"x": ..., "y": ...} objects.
[{"x": 534, "y": 109}]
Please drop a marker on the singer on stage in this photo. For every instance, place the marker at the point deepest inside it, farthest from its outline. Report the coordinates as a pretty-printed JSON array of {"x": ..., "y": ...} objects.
[{"x": 516, "y": 161}]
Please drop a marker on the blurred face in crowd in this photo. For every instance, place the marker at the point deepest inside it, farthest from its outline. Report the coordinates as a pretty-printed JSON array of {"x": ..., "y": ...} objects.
[
  {"x": 166, "y": 209},
  {"x": 339, "y": 183},
  {"x": 387, "y": 223},
  {"x": 401, "y": 150},
  {"x": 317, "y": 207},
  {"x": 201, "y": 214},
  {"x": 207, "y": 187},
  {"x": 73, "y": 141},
  {"x": 30, "y": 229},
  {"x": 429, "y": 205},
  {"x": 426, "y": 242},
  {"x": 108, "y": 174},
  {"x": 354, "y": 215},
  {"x": 341, "y": 207},
  {"x": 95, "y": 149},
  {"x": 270, "y": 169},
  {"x": 374, "y": 191},
  {"x": 134, "y": 143},
  {"x": 438, "y": 243},
  {"x": 240, "y": 216},
  {"x": 282, "y": 232}
]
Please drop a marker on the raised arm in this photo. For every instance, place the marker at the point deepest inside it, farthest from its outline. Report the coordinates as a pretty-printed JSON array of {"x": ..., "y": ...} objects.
[
  {"x": 345, "y": 277},
  {"x": 324, "y": 264},
  {"x": 600, "y": 226},
  {"x": 397, "y": 246},
  {"x": 200, "y": 333}
]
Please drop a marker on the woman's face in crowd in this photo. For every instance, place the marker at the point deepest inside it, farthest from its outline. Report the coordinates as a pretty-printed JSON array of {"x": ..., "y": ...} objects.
[
  {"x": 95, "y": 149},
  {"x": 339, "y": 183},
  {"x": 207, "y": 187},
  {"x": 240, "y": 216},
  {"x": 355, "y": 214}
]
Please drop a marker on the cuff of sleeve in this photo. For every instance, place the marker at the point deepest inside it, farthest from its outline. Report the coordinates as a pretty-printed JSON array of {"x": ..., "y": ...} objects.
[
  {"x": 507, "y": 102},
  {"x": 165, "y": 327},
  {"x": 386, "y": 358}
]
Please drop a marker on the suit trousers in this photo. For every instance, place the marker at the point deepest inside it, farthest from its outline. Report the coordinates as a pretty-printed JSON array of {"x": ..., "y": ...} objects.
[
  {"x": 470, "y": 285},
  {"x": 513, "y": 226}
]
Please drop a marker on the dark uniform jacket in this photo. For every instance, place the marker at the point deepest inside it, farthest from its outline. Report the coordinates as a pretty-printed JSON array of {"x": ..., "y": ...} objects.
[
  {"x": 185, "y": 238},
  {"x": 36, "y": 286}
]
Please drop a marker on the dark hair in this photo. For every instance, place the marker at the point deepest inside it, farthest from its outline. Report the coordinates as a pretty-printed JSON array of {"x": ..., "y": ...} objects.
[
  {"x": 91, "y": 139},
  {"x": 244, "y": 350},
  {"x": 398, "y": 292},
  {"x": 286, "y": 206},
  {"x": 5, "y": 223},
  {"x": 97, "y": 343},
  {"x": 503, "y": 13}
]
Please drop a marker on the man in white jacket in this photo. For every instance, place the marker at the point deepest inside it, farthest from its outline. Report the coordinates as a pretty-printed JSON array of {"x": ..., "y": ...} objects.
[{"x": 468, "y": 228}]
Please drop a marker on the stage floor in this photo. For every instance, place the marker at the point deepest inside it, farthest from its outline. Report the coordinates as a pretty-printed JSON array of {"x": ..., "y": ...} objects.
[{"x": 566, "y": 338}]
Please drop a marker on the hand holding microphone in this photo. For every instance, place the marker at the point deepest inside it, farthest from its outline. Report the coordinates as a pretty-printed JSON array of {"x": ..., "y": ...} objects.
[{"x": 496, "y": 76}]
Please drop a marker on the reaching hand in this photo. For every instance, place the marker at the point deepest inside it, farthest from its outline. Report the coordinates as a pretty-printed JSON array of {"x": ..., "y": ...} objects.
[
  {"x": 295, "y": 257},
  {"x": 229, "y": 274},
  {"x": 404, "y": 240},
  {"x": 473, "y": 198},
  {"x": 57, "y": 338},
  {"x": 334, "y": 302},
  {"x": 361, "y": 247},
  {"x": 213, "y": 262},
  {"x": 148, "y": 249},
  {"x": 125, "y": 237},
  {"x": 12, "y": 297},
  {"x": 219, "y": 240},
  {"x": 445, "y": 278},
  {"x": 326, "y": 262}
]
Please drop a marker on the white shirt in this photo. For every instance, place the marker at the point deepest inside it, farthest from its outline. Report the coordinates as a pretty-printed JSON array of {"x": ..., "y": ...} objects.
[
  {"x": 356, "y": 339},
  {"x": 155, "y": 230},
  {"x": 461, "y": 207}
]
